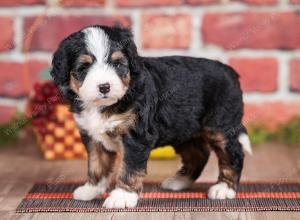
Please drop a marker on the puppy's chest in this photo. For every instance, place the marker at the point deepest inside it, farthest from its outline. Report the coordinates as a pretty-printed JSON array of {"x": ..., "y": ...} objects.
[
  {"x": 103, "y": 128},
  {"x": 96, "y": 123}
]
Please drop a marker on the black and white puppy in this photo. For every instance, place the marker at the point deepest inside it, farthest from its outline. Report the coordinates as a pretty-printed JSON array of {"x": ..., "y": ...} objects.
[{"x": 126, "y": 103}]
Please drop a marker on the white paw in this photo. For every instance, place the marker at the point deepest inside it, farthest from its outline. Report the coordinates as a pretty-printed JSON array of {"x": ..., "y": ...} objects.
[
  {"x": 120, "y": 198},
  {"x": 177, "y": 183},
  {"x": 88, "y": 191},
  {"x": 221, "y": 191}
]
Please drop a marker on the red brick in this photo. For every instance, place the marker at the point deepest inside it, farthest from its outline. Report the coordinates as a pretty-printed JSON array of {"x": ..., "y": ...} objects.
[
  {"x": 146, "y": 3},
  {"x": 165, "y": 31},
  {"x": 270, "y": 114},
  {"x": 7, "y": 113},
  {"x": 252, "y": 30},
  {"x": 256, "y": 74},
  {"x": 258, "y": 2},
  {"x": 21, "y": 2},
  {"x": 51, "y": 30},
  {"x": 7, "y": 33},
  {"x": 201, "y": 2},
  {"x": 295, "y": 1},
  {"x": 12, "y": 76},
  {"x": 79, "y": 3},
  {"x": 295, "y": 74}
]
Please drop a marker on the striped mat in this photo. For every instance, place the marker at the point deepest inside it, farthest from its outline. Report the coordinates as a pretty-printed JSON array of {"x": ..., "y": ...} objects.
[{"x": 57, "y": 197}]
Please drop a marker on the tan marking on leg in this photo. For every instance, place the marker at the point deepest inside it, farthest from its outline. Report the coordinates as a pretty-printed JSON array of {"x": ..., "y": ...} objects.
[
  {"x": 227, "y": 175},
  {"x": 101, "y": 162},
  {"x": 131, "y": 182},
  {"x": 216, "y": 140},
  {"x": 226, "y": 172}
]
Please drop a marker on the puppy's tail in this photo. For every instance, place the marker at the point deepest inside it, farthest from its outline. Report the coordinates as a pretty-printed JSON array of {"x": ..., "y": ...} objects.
[{"x": 245, "y": 141}]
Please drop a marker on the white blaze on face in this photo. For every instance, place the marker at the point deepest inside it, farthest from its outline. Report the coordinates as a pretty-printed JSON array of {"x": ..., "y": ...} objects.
[{"x": 100, "y": 72}]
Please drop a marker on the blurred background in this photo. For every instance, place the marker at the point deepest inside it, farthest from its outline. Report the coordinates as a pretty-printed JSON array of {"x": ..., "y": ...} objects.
[{"x": 259, "y": 38}]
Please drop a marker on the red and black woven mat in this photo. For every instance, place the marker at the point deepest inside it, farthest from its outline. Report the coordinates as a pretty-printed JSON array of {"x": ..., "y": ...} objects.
[{"x": 50, "y": 197}]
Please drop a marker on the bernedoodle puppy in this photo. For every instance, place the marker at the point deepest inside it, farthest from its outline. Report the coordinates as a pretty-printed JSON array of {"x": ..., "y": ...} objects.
[{"x": 126, "y": 103}]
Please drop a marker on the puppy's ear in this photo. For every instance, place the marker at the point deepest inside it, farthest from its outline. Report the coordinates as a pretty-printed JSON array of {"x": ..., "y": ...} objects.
[
  {"x": 60, "y": 71},
  {"x": 130, "y": 50},
  {"x": 62, "y": 60}
]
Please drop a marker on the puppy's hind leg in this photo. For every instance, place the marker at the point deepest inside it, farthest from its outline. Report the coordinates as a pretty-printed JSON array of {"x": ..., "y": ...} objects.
[
  {"x": 194, "y": 154},
  {"x": 230, "y": 158}
]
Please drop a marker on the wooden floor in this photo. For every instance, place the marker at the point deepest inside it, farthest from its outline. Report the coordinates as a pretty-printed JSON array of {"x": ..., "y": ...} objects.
[{"x": 22, "y": 165}]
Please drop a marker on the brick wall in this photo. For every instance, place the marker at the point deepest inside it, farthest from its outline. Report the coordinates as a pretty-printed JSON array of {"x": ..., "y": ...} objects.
[{"x": 259, "y": 38}]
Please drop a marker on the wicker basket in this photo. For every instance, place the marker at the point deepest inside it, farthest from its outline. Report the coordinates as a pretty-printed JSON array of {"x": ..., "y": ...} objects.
[
  {"x": 53, "y": 124},
  {"x": 61, "y": 139}
]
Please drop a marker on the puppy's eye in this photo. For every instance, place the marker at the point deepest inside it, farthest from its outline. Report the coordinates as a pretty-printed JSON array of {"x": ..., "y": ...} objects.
[
  {"x": 119, "y": 63},
  {"x": 79, "y": 74}
]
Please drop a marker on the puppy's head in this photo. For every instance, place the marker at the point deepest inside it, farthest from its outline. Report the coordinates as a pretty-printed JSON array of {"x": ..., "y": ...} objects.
[{"x": 96, "y": 63}]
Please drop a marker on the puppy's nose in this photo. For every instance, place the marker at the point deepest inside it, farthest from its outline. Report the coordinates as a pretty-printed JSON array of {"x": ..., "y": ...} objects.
[{"x": 104, "y": 88}]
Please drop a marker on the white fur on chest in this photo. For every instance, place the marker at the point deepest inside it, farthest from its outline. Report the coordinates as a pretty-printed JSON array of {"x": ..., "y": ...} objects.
[{"x": 96, "y": 125}]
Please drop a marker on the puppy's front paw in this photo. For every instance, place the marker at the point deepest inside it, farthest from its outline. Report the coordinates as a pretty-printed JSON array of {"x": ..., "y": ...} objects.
[
  {"x": 120, "y": 198},
  {"x": 88, "y": 191},
  {"x": 177, "y": 183},
  {"x": 221, "y": 191}
]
